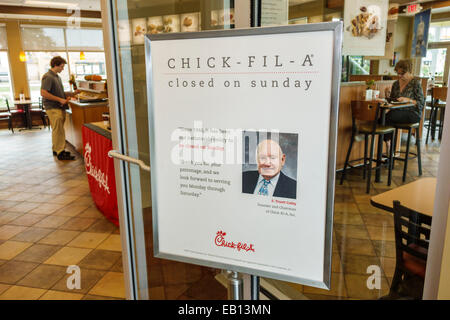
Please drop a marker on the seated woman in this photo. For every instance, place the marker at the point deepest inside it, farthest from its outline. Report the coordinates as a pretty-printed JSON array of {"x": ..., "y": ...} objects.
[{"x": 406, "y": 89}]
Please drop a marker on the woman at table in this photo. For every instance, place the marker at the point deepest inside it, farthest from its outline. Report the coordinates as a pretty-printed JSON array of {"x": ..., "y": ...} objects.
[{"x": 409, "y": 90}]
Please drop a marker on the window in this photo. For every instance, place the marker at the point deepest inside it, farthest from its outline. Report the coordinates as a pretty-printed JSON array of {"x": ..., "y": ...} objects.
[
  {"x": 41, "y": 44},
  {"x": 94, "y": 63},
  {"x": 439, "y": 31},
  {"x": 358, "y": 65},
  {"x": 84, "y": 39},
  {"x": 37, "y": 38},
  {"x": 38, "y": 64},
  {"x": 5, "y": 75}
]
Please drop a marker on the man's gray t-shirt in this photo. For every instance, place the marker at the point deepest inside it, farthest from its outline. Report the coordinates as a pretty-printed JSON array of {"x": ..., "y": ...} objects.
[{"x": 52, "y": 83}]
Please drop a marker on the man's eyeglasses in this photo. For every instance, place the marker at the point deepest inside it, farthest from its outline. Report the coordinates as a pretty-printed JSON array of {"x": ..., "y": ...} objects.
[{"x": 400, "y": 73}]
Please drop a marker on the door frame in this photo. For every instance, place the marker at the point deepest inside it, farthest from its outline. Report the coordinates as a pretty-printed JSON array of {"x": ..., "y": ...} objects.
[{"x": 115, "y": 101}]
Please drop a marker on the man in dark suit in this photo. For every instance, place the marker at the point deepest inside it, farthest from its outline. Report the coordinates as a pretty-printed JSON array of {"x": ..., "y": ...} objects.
[{"x": 269, "y": 180}]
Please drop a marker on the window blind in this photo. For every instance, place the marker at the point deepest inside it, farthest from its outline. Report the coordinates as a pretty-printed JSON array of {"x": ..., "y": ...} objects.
[
  {"x": 84, "y": 39},
  {"x": 3, "y": 40},
  {"x": 42, "y": 38}
]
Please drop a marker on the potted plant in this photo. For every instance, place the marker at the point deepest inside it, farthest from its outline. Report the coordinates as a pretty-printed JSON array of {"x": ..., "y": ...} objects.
[{"x": 370, "y": 86}]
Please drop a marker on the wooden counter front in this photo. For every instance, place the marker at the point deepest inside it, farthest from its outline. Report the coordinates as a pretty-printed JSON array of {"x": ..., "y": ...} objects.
[{"x": 79, "y": 114}]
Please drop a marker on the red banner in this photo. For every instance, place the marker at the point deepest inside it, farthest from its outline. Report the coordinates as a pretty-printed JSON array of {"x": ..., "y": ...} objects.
[{"x": 100, "y": 173}]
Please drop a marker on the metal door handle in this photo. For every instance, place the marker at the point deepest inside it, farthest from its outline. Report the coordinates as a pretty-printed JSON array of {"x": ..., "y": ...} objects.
[{"x": 116, "y": 154}]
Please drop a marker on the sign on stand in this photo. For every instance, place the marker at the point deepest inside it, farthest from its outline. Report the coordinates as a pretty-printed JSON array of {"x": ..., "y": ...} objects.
[{"x": 243, "y": 127}]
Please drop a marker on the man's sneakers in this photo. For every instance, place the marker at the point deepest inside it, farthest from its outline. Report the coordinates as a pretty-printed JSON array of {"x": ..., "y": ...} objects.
[{"x": 64, "y": 155}]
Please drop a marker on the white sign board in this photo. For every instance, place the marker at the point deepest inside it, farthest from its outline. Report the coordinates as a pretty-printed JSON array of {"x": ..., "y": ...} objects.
[{"x": 243, "y": 137}]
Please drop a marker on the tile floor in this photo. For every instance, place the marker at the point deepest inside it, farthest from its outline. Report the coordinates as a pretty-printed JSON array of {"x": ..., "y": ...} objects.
[
  {"x": 48, "y": 222},
  {"x": 364, "y": 235}
]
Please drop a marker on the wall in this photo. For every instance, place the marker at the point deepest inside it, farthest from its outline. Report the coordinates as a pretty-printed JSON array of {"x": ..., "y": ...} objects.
[
  {"x": 402, "y": 43},
  {"x": 314, "y": 11}
]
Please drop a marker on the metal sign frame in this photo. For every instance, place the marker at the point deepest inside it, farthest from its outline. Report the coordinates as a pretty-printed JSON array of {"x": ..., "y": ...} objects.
[{"x": 336, "y": 28}]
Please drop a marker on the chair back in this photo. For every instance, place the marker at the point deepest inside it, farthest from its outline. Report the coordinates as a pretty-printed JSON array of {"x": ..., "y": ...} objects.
[
  {"x": 439, "y": 93},
  {"x": 365, "y": 111},
  {"x": 5, "y": 105},
  {"x": 412, "y": 232}
]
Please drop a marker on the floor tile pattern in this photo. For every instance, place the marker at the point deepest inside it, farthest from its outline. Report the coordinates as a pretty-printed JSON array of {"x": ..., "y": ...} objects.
[
  {"x": 48, "y": 222},
  {"x": 363, "y": 235}
]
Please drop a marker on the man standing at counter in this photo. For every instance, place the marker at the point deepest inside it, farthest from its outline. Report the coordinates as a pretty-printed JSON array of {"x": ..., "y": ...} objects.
[{"x": 55, "y": 101}]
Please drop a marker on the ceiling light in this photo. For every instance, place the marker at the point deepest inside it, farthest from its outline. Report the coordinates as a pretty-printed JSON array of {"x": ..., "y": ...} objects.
[{"x": 22, "y": 56}]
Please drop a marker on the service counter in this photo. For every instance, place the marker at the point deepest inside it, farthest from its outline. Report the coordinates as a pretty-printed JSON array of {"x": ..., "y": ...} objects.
[
  {"x": 77, "y": 115},
  {"x": 100, "y": 168}
]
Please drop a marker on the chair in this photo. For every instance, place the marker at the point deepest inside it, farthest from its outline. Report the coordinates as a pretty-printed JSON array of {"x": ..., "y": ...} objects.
[
  {"x": 39, "y": 109},
  {"x": 412, "y": 234},
  {"x": 408, "y": 155},
  {"x": 365, "y": 122},
  {"x": 5, "y": 114},
  {"x": 438, "y": 94}
]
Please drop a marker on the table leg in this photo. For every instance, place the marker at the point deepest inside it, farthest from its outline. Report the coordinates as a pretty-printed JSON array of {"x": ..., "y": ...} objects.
[
  {"x": 433, "y": 120},
  {"x": 28, "y": 117}
]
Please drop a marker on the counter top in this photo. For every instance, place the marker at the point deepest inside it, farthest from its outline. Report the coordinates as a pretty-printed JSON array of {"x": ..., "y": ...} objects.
[
  {"x": 100, "y": 128},
  {"x": 88, "y": 104}
]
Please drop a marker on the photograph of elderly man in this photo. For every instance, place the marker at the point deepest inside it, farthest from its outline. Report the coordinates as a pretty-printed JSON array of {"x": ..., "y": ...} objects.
[{"x": 269, "y": 180}]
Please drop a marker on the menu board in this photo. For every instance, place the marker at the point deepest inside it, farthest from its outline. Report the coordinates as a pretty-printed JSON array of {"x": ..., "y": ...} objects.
[
  {"x": 138, "y": 30},
  {"x": 190, "y": 22},
  {"x": 171, "y": 23},
  {"x": 155, "y": 25},
  {"x": 242, "y": 176},
  {"x": 365, "y": 27}
]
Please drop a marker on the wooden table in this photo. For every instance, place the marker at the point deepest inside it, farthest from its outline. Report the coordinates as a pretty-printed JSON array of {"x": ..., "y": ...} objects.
[{"x": 417, "y": 195}]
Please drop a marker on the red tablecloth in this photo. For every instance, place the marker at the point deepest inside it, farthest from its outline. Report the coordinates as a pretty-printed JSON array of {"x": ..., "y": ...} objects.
[{"x": 100, "y": 172}]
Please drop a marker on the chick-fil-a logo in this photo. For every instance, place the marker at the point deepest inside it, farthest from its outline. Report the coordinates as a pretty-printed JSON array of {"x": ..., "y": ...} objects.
[
  {"x": 220, "y": 241},
  {"x": 93, "y": 171}
]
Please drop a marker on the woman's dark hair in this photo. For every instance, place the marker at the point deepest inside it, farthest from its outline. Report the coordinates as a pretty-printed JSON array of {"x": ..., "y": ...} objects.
[
  {"x": 57, "y": 61},
  {"x": 405, "y": 65}
]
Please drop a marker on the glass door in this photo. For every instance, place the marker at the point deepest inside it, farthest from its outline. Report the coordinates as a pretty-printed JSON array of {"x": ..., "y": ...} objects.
[{"x": 125, "y": 24}]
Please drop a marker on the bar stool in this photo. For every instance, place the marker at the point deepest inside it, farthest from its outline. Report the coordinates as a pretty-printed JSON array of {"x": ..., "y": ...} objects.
[
  {"x": 365, "y": 121},
  {"x": 408, "y": 127},
  {"x": 438, "y": 94}
]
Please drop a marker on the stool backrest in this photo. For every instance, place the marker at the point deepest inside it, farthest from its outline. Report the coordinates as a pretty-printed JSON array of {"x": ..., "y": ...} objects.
[
  {"x": 412, "y": 232},
  {"x": 4, "y": 103},
  {"x": 365, "y": 111},
  {"x": 439, "y": 93}
]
